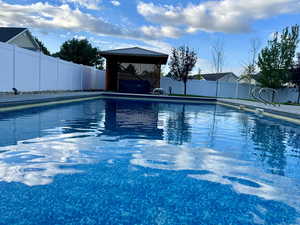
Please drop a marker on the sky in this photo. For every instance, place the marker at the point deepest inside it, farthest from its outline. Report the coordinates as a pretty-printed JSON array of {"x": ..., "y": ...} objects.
[{"x": 156, "y": 24}]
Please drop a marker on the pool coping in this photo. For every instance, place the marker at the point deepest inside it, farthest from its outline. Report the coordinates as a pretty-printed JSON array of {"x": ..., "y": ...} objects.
[
  {"x": 163, "y": 98},
  {"x": 11, "y": 103},
  {"x": 263, "y": 109}
]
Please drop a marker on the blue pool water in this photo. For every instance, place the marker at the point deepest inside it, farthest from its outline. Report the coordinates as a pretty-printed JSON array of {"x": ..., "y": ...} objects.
[{"x": 135, "y": 162}]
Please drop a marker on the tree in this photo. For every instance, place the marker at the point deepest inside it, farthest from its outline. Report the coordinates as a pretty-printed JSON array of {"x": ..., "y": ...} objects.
[
  {"x": 162, "y": 71},
  {"x": 276, "y": 59},
  {"x": 80, "y": 52},
  {"x": 270, "y": 138},
  {"x": 182, "y": 62},
  {"x": 130, "y": 69},
  {"x": 178, "y": 128},
  {"x": 254, "y": 46},
  {"x": 218, "y": 55},
  {"x": 248, "y": 72},
  {"x": 198, "y": 76},
  {"x": 42, "y": 46}
]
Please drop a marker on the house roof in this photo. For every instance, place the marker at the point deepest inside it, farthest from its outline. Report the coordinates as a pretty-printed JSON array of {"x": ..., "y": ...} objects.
[
  {"x": 216, "y": 76},
  {"x": 135, "y": 51},
  {"x": 7, "y": 33}
]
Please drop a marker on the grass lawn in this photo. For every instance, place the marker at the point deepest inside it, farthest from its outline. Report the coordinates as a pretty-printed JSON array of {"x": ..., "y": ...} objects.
[{"x": 286, "y": 103}]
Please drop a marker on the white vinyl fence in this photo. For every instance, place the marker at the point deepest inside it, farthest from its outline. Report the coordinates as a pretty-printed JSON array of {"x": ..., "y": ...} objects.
[
  {"x": 27, "y": 70},
  {"x": 223, "y": 89},
  {"x": 208, "y": 88}
]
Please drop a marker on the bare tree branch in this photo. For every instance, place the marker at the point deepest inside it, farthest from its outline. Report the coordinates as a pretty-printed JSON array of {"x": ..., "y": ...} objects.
[
  {"x": 255, "y": 44},
  {"x": 250, "y": 67},
  {"x": 218, "y": 55}
]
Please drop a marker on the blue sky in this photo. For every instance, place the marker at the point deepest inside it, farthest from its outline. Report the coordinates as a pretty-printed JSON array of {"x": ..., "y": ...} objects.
[{"x": 156, "y": 24}]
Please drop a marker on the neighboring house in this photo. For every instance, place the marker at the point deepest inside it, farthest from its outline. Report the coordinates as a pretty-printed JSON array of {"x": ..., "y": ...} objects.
[
  {"x": 196, "y": 77},
  {"x": 20, "y": 37},
  {"x": 222, "y": 77}
]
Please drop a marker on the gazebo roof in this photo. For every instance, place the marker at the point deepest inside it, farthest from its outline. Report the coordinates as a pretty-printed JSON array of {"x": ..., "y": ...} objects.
[
  {"x": 135, "y": 51},
  {"x": 136, "y": 54}
]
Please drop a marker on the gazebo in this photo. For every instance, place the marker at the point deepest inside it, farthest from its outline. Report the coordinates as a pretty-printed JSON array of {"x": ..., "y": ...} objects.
[{"x": 133, "y": 70}]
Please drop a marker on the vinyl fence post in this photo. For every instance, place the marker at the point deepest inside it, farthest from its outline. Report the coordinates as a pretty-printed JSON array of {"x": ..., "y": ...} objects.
[
  {"x": 40, "y": 69},
  {"x": 81, "y": 66},
  {"x": 237, "y": 90},
  {"x": 14, "y": 66},
  {"x": 57, "y": 80},
  {"x": 96, "y": 78},
  {"x": 217, "y": 88},
  {"x": 249, "y": 91}
]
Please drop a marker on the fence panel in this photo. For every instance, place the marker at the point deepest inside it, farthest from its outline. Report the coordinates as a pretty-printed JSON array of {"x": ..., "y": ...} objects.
[
  {"x": 65, "y": 79},
  {"x": 87, "y": 81},
  {"x": 101, "y": 79},
  {"x": 177, "y": 87},
  {"x": 227, "y": 90},
  {"x": 244, "y": 91},
  {"x": 77, "y": 73},
  {"x": 201, "y": 88},
  {"x": 6, "y": 65},
  {"x": 288, "y": 95},
  {"x": 49, "y": 73},
  {"x": 94, "y": 80},
  {"x": 26, "y": 70}
]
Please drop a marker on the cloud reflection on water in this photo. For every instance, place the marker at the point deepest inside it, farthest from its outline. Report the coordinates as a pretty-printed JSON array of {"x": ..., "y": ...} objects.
[
  {"x": 37, "y": 161},
  {"x": 214, "y": 166}
]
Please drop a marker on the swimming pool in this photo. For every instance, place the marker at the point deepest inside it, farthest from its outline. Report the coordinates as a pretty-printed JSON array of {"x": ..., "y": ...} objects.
[{"x": 137, "y": 162}]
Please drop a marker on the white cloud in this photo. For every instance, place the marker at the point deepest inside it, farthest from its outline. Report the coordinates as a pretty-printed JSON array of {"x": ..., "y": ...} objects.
[
  {"x": 89, "y": 4},
  {"x": 163, "y": 31},
  {"x": 46, "y": 17},
  {"x": 158, "y": 46},
  {"x": 80, "y": 37},
  {"x": 63, "y": 19},
  {"x": 115, "y": 3},
  {"x": 153, "y": 45},
  {"x": 217, "y": 16}
]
